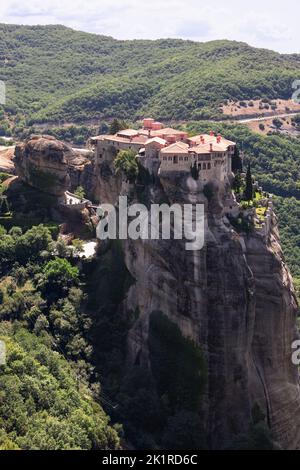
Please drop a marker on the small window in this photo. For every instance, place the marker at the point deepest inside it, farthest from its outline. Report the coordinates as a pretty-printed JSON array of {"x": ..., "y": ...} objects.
[
  {"x": 180, "y": 159},
  {"x": 204, "y": 166},
  {"x": 208, "y": 166}
]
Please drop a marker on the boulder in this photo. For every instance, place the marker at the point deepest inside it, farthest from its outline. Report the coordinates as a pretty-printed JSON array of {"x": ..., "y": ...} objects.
[{"x": 42, "y": 162}]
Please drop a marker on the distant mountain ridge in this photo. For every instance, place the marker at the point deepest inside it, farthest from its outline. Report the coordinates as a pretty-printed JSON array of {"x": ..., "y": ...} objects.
[{"x": 54, "y": 73}]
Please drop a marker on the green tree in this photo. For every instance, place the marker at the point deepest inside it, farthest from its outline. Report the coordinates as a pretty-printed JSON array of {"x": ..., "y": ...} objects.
[
  {"x": 80, "y": 192},
  {"x": 237, "y": 164},
  {"x": 177, "y": 364},
  {"x": 125, "y": 161},
  {"x": 78, "y": 246},
  {"x": 116, "y": 126},
  {"x": 32, "y": 243},
  {"x": 277, "y": 123},
  {"x": 59, "y": 276},
  {"x": 195, "y": 171}
]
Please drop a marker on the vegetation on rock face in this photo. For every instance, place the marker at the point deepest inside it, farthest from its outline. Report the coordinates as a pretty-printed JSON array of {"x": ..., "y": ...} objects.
[
  {"x": 177, "y": 364},
  {"x": 249, "y": 185},
  {"x": 43, "y": 180},
  {"x": 80, "y": 192},
  {"x": 288, "y": 212},
  {"x": 100, "y": 77},
  {"x": 195, "y": 171},
  {"x": 275, "y": 162},
  {"x": 125, "y": 161}
]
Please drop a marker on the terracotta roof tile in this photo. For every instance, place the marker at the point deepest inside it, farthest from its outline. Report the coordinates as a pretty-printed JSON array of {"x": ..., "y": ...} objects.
[{"x": 178, "y": 147}]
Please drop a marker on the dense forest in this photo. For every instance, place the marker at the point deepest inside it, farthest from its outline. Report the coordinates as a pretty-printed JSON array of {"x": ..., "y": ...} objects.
[
  {"x": 49, "y": 393},
  {"x": 97, "y": 76}
]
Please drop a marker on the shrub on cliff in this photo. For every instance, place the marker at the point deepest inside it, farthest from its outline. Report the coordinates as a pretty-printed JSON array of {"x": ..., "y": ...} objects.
[
  {"x": 125, "y": 161},
  {"x": 177, "y": 364}
]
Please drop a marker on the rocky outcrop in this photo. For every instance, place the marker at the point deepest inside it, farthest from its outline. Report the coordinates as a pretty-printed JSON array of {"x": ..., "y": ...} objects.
[
  {"x": 6, "y": 156},
  {"x": 235, "y": 299},
  {"x": 42, "y": 162},
  {"x": 277, "y": 388},
  {"x": 53, "y": 167}
]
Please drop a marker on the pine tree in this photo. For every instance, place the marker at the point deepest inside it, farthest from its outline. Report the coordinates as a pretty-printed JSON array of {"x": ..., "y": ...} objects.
[
  {"x": 195, "y": 171},
  {"x": 115, "y": 127},
  {"x": 249, "y": 185},
  {"x": 237, "y": 164}
]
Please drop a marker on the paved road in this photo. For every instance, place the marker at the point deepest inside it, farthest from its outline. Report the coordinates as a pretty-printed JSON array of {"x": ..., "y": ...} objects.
[{"x": 258, "y": 119}]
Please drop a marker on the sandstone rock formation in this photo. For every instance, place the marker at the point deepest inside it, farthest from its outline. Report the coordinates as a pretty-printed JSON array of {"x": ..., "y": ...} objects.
[
  {"x": 42, "y": 162},
  {"x": 236, "y": 300},
  {"x": 6, "y": 156}
]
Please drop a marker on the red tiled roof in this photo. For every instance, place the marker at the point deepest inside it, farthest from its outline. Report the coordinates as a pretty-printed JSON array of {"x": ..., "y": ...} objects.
[
  {"x": 128, "y": 133},
  {"x": 177, "y": 147},
  {"x": 158, "y": 140},
  {"x": 209, "y": 139},
  {"x": 167, "y": 131},
  {"x": 206, "y": 148}
]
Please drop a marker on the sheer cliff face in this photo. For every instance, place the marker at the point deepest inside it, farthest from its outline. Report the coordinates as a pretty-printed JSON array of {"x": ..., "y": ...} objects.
[
  {"x": 274, "y": 331},
  {"x": 235, "y": 299}
]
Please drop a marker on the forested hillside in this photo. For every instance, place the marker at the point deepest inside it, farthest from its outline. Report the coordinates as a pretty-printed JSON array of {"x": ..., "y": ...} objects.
[
  {"x": 54, "y": 73},
  {"x": 47, "y": 385}
]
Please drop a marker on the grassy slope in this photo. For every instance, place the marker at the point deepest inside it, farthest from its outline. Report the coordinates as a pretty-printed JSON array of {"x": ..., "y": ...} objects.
[{"x": 55, "y": 73}]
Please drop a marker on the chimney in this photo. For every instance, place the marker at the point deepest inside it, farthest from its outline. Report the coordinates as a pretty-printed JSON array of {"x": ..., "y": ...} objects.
[
  {"x": 212, "y": 133},
  {"x": 219, "y": 139},
  {"x": 149, "y": 133},
  {"x": 211, "y": 148}
]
